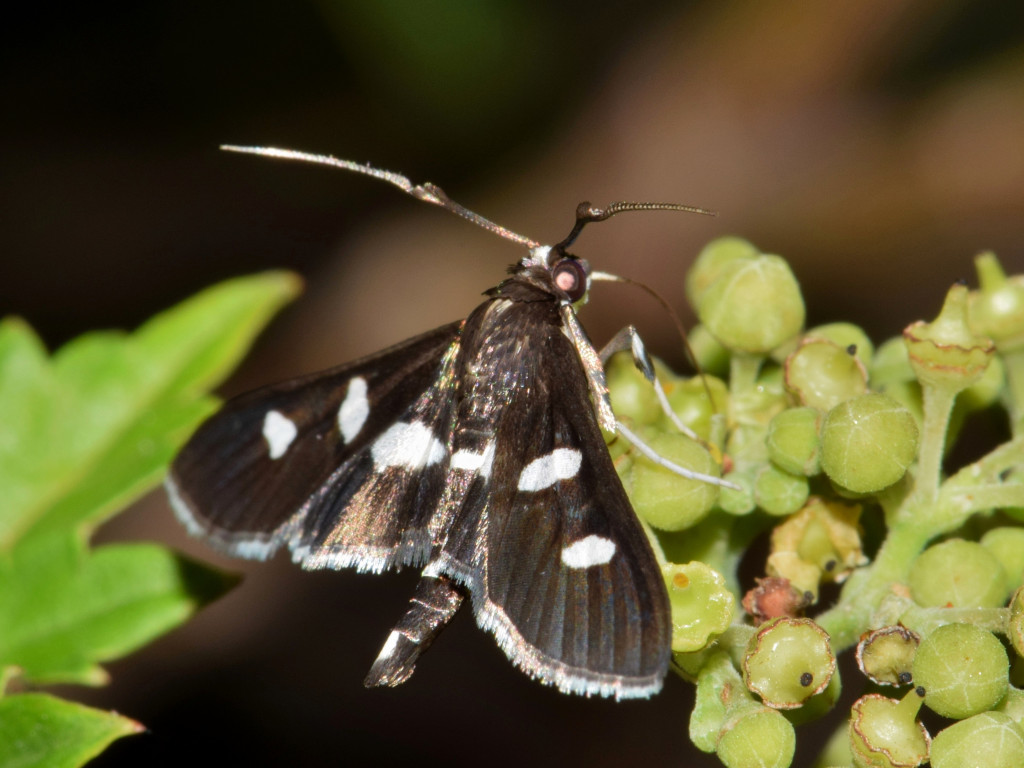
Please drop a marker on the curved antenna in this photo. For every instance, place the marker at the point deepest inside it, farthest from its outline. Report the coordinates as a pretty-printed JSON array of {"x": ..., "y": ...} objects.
[
  {"x": 430, "y": 193},
  {"x": 680, "y": 329},
  {"x": 586, "y": 213}
]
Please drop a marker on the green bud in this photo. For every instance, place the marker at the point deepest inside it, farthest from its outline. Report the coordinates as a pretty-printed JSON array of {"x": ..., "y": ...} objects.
[
  {"x": 702, "y": 605},
  {"x": 631, "y": 394},
  {"x": 867, "y": 443},
  {"x": 1015, "y": 624},
  {"x": 885, "y": 733},
  {"x": 711, "y": 356},
  {"x": 690, "y": 402},
  {"x": 886, "y": 655},
  {"x": 788, "y": 661},
  {"x": 891, "y": 364},
  {"x": 753, "y": 305},
  {"x": 1013, "y": 705},
  {"x": 760, "y": 737},
  {"x": 663, "y": 498},
  {"x": 845, "y": 336},
  {"x": 986, "y": 390},
  {"x": 738, "y": 502},
  {"x": 793, "y": 440},
  {"x": 989, "y": 739},
  {"x": 710, "y": 262},
  {"x": 963, "y": 669},
  {"x": 996, "y": 310},
  {"x": 958, "y": 573},
  {"x": 778, "y": 492},
  {"x": 821, "y": 375},
  {"x": 1007, "y": 545},
  {"x": 945, "y": 353}
]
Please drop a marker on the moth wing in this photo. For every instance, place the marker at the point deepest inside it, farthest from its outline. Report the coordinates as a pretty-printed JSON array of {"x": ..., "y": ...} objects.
[
  {"x": 319, "y": 463},
  {"x": 558, "y": 566}
]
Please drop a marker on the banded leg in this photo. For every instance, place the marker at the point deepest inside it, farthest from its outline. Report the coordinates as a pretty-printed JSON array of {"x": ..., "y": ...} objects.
[
  {"x": 432, "y": 606},
  {"x": 628, "y": 338}
]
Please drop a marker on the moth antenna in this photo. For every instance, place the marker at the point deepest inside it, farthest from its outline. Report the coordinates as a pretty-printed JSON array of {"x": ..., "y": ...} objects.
[
  {"x": 586, "y": 213},
  {"x": 428, "y": 192}
]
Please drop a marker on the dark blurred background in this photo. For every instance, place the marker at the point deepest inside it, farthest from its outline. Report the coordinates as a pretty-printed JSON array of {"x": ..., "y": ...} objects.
[{"x": 877, "y": 145}]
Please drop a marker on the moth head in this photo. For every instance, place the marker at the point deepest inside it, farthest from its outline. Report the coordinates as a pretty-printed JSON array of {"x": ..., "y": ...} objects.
[{"x": 568, "y": 274}]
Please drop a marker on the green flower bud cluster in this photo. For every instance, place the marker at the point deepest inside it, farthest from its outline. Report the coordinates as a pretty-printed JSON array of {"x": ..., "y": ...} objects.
[{"x": 837, "y": 452}]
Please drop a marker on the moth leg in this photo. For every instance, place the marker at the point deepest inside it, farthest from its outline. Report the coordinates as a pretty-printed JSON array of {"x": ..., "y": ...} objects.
[
  {"x": 629, "y": 339},
  {"x": 432, "y": 606}
]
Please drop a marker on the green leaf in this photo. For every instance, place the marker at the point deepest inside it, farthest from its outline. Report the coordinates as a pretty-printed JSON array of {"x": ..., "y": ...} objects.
[
  {"x": 84, "y": 433},
  {"x": 64, "y": 609},
  {"x": 115, "y": 403},
  {"x": 41, "y": 731}
]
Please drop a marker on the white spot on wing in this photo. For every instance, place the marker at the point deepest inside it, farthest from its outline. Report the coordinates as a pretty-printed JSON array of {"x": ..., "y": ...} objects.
[
  {"x": 354, "y": 410},
  {"x": 407, "y": 445},
  {"x": 560, "y": 464},
  {"x": 475, "y": 461},
  {"x": 279, "y": 432},
  {"x": 389, "y": 646},
  {"x": 593, "y": 550}
]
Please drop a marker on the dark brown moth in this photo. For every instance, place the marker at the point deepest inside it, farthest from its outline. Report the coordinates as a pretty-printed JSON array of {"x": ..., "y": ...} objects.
[{"x": 473, "y": 452}]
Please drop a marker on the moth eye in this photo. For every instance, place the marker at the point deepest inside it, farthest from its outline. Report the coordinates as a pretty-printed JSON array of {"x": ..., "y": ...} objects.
[{"x": 570, "y": 276}]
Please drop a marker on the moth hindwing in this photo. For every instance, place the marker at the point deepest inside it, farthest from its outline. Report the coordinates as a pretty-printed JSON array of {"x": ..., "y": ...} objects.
[{"x": 473, "y": 452}]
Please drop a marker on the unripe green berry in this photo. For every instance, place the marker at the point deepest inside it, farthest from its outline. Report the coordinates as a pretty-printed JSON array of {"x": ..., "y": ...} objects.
[
  {"x": 709, "y": 354},
  {"x": 945, "y": 353},
  {"x": 959, "y": 573},
  {"x": 891, "y": 364},
  {"x": 793, "y": 440},
  {"x": 702, "y": 605},
  {"x": 821, "y": 375},
  {"x": 710, "y": 262},
  {"x": 963, "y": 669},
  {"x": 867, "y": 443},
  {"x": 761, "y": 737},
  {"x": 631, "y": 394},
  {"x": 788, "y": 661},
  {"x": 986, "y": 390},
  {"x": 845, "y": 336},
  {"x": 690, "y": 402},
  {"x": 663, "y": 498},
  {"x": 778, "y": 492},
  {"x": 1007, "y": 545},
  {"x": 885, "y": 733},
  {"x": 738, "y": 502},
  {"x": 989, "y": 739},
  {"x": 753, "y": 305},
  {"x": 996, "y": 310},
  {"x": 886, "y": 655},
  {"x": 1015, "y": 624}
]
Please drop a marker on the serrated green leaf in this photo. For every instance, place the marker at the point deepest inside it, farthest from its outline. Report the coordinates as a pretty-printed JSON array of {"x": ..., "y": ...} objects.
[
  {"x": 41, "y": 731},
  {"x": 115, "y": 403}
]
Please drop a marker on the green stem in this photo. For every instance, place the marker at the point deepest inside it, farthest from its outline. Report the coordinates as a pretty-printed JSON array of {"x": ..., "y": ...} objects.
[
  {"x": 1013, "y": 397},
  {"x": 938, "y": 404},
  {"x": 743, "y": 371},
  {"x": 864, "y": 591}
]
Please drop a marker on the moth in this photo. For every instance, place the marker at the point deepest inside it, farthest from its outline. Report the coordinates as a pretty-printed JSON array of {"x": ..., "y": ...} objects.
[{"x": 473, "y": 451}]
